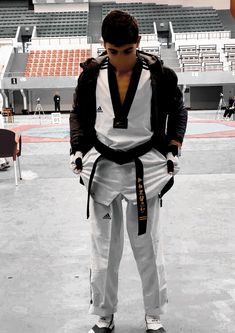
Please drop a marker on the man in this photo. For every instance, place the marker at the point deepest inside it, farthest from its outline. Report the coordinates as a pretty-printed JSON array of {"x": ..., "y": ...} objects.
[
  {"x": 126, "y": 127},
  {"x": 230, "y": 109},
  {"x": 57, "y": 102}
]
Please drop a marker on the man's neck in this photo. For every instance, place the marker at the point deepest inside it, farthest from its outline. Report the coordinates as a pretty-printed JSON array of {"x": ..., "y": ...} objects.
[{"x": 127, "y": 72}]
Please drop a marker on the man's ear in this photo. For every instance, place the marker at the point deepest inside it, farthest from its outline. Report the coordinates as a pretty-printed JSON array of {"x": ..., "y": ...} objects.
[{"x": 138, "y": 41}]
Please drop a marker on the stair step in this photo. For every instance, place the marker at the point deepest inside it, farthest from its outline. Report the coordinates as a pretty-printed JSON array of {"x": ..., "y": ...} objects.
[{"x": 169, "y": 57}]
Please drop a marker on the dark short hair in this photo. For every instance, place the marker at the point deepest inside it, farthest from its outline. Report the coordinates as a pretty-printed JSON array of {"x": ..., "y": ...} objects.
[{"x": 119, "y": 28}]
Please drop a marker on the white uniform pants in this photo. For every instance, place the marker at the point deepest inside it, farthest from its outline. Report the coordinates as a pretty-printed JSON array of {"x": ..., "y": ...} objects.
[{"x": 107, "y": 238}]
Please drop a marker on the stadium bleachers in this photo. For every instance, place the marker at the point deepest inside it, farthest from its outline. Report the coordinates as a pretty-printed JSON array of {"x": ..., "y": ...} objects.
[
  {"x": 188, "y": 19},
  {"x": 206, "y": 57},
  {"x": 55, "y": 62},
  {"x": 76, "y": 23},
  {"x": 48, "y": 24},
  {"x": 44, "y": 45}
]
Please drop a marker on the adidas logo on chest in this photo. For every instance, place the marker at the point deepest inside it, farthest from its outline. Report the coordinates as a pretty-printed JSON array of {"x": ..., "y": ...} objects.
[{"x": 99, "y": 109}]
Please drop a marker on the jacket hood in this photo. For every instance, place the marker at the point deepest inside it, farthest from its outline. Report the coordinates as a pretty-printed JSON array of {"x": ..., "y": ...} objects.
[{"x": 151, "y": 59}]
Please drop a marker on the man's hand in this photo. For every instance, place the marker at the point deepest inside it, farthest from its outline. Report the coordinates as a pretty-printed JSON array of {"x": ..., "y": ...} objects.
[
  {"x": 172, "y": 158},
  {"x": 76, "y": 162}
]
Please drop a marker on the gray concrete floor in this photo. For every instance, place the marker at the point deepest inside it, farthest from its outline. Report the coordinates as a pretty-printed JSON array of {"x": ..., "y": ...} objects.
[{"x": 44, "y": 246}]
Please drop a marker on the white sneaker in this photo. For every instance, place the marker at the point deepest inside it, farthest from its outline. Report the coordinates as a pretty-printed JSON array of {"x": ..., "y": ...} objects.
[
  {"x": 153, "y": 324},
  {"x": 103, "y": 325}
]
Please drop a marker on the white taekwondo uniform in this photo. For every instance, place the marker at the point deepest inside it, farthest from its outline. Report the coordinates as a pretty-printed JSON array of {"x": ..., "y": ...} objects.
[{"x": 113, "y": 182}]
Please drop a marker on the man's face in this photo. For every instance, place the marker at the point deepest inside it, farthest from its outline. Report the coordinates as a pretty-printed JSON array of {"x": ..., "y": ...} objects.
[{"x": 123, "y": 58}]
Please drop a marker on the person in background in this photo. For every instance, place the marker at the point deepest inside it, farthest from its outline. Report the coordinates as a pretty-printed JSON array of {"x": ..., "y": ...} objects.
[
  {"x": 126, "y": 130},
  {"x": 57, "y": 102},
  {"x": 230, "y": 109}
]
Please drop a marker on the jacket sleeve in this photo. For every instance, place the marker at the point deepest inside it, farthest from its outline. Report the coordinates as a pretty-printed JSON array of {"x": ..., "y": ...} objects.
[
  {"x": 81, "y": 120},
  {"x": 177, "y": 115}
]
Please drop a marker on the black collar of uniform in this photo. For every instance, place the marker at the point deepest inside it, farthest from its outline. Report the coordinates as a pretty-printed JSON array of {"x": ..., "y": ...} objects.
[{"x": 121, "y": 111}]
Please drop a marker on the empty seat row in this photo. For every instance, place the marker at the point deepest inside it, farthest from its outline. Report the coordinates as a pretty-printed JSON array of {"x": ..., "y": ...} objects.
[
  {"x": 62, "y": 30},
  {"x": 152, "y": 49},
  {"x": 229, "y": 48},
  {"x": 199, "y": 67},
  {"x": 203, "y": 57},
  {"x": 194, "y": 49},
  {"x": 230, "y": 56}
]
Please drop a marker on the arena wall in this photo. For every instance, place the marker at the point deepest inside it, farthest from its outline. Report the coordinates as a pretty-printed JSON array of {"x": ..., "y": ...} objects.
[{"x": 217, "y": 4}]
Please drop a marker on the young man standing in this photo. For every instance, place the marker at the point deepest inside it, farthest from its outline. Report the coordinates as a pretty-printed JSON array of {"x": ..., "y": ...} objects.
[{"x": 126, "y": 127}]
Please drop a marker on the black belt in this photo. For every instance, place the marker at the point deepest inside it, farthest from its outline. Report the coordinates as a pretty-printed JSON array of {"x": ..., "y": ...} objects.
[{"x": 123, "y": 157}]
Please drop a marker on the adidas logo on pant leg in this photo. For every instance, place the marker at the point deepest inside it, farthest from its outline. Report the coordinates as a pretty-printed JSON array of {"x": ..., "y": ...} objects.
[{"x": 107, "y": 217}]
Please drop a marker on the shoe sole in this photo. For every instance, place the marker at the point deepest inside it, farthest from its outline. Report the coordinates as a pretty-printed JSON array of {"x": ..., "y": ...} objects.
[
  {"x": 160, "y": 330},
  {"x": 101, "y": 330}
]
